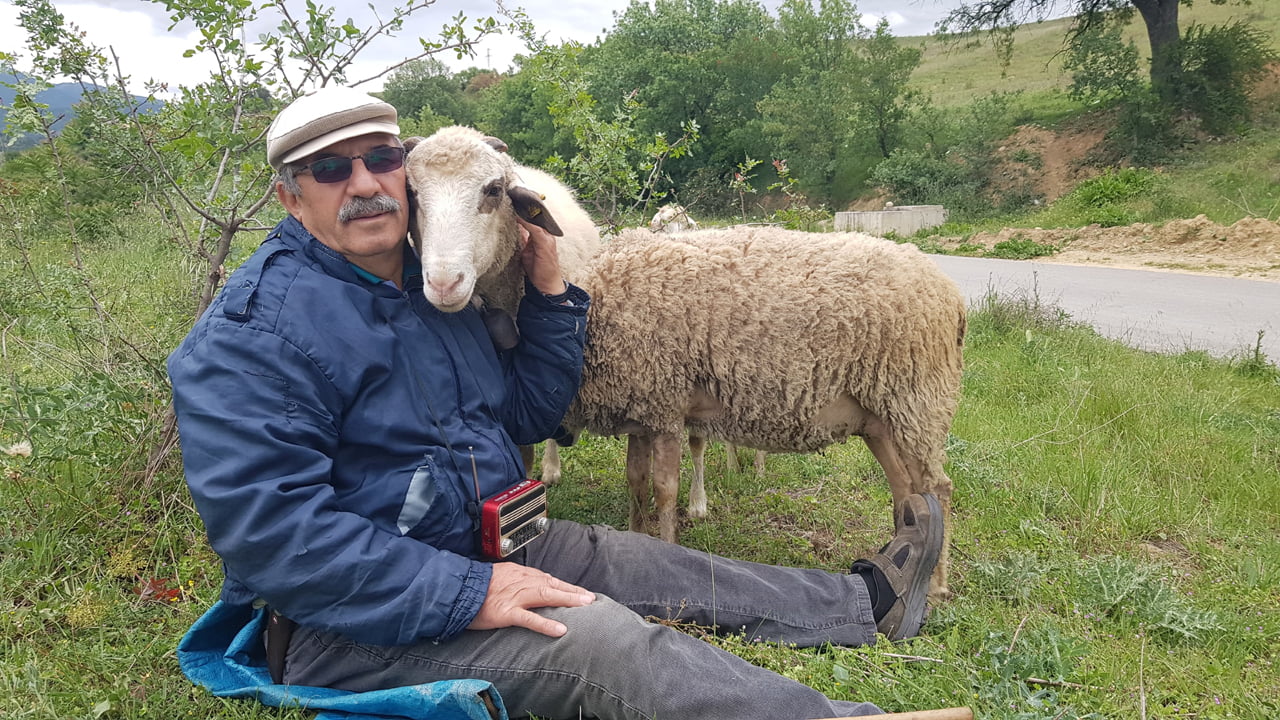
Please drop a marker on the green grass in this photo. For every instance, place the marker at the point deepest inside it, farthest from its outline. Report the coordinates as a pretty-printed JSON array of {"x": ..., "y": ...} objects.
[{"x": 1116, "y": 539}]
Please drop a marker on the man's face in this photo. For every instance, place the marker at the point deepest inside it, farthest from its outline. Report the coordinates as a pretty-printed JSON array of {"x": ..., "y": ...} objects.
[{"x": 341, "y": 215}]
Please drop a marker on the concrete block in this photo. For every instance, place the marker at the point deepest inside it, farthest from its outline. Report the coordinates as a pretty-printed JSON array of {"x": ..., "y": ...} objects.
[{"x": 903, "y": 220}]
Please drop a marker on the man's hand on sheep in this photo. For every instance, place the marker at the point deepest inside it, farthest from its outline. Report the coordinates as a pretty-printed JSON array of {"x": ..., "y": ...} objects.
[
  {"x": 515, "y": 589},
  {"x": 540, "y": 259}
]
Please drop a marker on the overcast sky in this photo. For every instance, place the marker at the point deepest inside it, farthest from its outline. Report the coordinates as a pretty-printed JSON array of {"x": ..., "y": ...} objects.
[{"x": 139, "y": 32}]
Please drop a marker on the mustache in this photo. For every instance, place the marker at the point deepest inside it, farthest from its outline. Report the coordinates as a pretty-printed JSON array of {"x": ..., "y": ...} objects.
[{"x": 360, "y": 207}]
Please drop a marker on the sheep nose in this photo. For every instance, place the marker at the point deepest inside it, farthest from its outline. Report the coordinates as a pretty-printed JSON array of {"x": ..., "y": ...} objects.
[{"x": 447, "y": 287}]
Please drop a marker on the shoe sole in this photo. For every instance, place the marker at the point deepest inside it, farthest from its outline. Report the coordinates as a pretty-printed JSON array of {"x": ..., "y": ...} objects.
[{"x": 913, "y": 613}]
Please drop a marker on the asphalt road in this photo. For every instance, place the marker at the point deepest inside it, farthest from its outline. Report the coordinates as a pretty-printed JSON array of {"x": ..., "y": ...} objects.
[{"x": 1152, "y": 310}]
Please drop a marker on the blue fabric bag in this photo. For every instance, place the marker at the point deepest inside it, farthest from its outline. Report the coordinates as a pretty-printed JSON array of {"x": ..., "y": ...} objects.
[{"x": 223, "y": 653}]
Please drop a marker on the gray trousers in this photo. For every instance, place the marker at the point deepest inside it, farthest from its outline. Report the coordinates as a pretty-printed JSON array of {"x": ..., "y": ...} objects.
[{"x": 613, "y": 662}]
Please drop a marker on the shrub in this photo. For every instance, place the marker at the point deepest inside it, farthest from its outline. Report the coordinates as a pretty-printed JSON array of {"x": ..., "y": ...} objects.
[
  {"x": 1218, "y": 66},
  {"x": 1147, "y": 130},
  {"x": 1020, "y": 248},
  {"x": 1114, "y": 186},
  {"x": 914, "y": 177}
]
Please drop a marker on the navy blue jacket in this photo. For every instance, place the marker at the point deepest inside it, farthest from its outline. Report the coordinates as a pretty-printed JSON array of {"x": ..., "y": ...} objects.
[{"x": 328, "y": 427}]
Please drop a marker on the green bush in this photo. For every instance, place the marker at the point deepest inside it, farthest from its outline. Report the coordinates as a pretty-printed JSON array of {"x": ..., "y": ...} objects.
[
  {"x": 915, "y": 177},
  {"x": 1020, "y": 248},
  {"x": 1114, "y": 186},
  {"x": 1219, "y": 64}
]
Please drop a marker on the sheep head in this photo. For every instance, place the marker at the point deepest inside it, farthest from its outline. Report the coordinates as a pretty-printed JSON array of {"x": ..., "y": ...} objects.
[
  {"x": 672, "y": 219},
  {"x": 465, "y": 194}
]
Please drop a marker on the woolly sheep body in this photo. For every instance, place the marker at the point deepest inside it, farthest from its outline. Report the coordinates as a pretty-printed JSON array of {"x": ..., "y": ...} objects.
[
  {"x": 779, "y": 340},
  {"x": 774, "y": 339},
  {"x": 672, "y": 219},
  {"x": 762, "y": 318}
]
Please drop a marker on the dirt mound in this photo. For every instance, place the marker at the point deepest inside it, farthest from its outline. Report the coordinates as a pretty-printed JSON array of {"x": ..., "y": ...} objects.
[
  {"x": 1053, "y": 162},
  {"x": 1250, "y": 248}
]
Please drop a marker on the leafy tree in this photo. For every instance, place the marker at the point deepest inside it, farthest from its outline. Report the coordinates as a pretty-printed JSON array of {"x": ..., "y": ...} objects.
[
  {"x": 516, "y": 110},
  {"x": 817, "y": 39},
  {"x": 616, "y": 168},
  {"x": 706, "y": 61},
  {"x": 421, "y": 83},
  {"x": 810, "y": 120},
  {"x": 1103, "y": 67},
  {"x": 430, "y": 84},
  {"x": 880, "y": 90},
  {"x": 811, "y": 116},
  {"x": 203, "y": 153}
]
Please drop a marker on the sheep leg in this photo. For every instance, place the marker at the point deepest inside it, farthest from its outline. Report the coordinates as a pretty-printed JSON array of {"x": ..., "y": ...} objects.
[
  {"x": 931, "y": 478},
  {"x": 886, "y": 453},
  {"x": 551, "y": 463},
  {"x": 698, "y": 490},
  {"x": 526, "y": 459},
  {"x": 666, "y": 483},
  {"x": 759, "y": 463},
  {"x": 907, "y": 478},
  {"x": 639, "y": 464},
  {"x": 731, "y": 457}
]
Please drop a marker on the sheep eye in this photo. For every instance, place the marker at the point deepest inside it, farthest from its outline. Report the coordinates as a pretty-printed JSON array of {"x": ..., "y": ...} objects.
[{"x": 493, "y": 189}]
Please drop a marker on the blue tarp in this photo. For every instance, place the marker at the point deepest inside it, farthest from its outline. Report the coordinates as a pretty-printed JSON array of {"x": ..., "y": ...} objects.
[{"x": 223, "y": 653}]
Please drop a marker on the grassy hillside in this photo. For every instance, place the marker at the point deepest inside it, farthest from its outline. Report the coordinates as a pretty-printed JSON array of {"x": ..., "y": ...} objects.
[{"x": 953, "y": 74}]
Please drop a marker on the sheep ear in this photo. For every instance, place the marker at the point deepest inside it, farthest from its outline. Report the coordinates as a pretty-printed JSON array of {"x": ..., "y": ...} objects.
[
  {"x": 528, "y": 205},
  {"x": 411, "y": 142},
  {"x": 414, "y": 235},
  {"x": 495, "y": 143},
  {"x": 415, "y": 232}
]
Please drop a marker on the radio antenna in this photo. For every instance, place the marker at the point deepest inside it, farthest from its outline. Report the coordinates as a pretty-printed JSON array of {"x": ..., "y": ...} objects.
[{"x": 475, "y": 476}]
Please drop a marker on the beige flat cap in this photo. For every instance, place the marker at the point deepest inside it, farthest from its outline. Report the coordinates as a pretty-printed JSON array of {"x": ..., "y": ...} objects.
[{"x": 323, "y": 117}]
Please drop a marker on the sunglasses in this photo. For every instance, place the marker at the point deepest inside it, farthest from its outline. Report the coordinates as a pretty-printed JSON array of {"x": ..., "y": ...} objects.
[{"x": 383, "y": 159}]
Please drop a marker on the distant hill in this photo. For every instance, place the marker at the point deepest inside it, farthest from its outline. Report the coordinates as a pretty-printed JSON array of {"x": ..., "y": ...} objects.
[{"x": 61, "y": 99}]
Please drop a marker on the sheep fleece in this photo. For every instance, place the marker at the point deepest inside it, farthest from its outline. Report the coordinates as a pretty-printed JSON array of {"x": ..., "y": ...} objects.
[{"x": 776, "y": 325}]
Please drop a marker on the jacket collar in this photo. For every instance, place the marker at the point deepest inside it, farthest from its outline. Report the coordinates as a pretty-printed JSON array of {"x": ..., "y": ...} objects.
[{"x": 294, "y": 235}]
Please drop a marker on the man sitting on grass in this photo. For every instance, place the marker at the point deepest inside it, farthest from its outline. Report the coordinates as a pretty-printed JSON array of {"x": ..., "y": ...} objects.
[{"x": 338, "y": 433}]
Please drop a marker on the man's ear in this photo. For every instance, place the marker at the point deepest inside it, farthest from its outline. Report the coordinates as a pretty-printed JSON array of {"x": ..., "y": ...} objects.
[
  {"x": 528, "y": 205},
  {"x": 288, "y": 200}
]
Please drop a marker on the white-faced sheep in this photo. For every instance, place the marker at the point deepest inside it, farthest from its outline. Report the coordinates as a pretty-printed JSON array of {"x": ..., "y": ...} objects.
[
  {"x": 467, "y": 190},
  {"x": 774, "y": 339},
  {"x": 672, "y": 219}
]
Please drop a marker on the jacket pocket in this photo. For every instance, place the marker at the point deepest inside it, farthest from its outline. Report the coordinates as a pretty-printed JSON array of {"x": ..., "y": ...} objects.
[{"x": 431, "y": 510}]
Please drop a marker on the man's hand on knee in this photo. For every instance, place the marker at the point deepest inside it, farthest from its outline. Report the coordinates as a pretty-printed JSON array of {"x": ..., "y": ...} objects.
[{"x": 515, "y": 589}]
